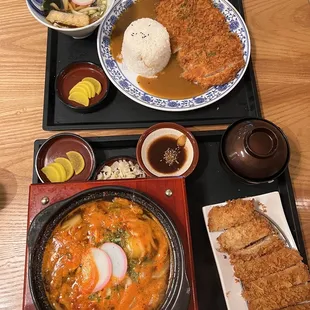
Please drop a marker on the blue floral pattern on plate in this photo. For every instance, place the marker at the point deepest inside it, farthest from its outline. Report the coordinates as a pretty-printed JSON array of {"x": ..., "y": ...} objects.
[{"x": 126, "y": 82}]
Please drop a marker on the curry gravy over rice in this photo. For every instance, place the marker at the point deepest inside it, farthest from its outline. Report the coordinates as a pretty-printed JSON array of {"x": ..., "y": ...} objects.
[{"x": 169, "y": 83}]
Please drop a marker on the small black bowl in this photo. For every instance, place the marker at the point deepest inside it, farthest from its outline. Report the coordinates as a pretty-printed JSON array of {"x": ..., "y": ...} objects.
[
  {"x": 177, "y": 296},
  {"x": 73, "y": 74},
  {"x": 57, "y": 146},
  {"x": 254, "y": 150}
]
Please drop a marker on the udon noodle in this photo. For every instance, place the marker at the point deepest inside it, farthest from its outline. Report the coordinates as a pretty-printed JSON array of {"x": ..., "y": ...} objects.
[{"x": 121, "y": 222}]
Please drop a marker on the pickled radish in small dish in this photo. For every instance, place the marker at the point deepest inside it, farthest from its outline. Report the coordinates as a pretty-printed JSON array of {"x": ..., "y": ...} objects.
[{"x": 118, "y": 259}]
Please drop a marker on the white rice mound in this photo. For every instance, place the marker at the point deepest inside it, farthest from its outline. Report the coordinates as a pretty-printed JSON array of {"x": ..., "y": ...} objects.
[{"x": 146, "y": 47}]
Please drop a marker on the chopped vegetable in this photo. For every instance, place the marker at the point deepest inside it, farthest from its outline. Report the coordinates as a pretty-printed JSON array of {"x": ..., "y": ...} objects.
[
  {"x": 77, "y": 161},
  {"x": 79, "y": 98},
  {"x": 73, "y": 221},
  {"x": 67, "y": 166},
  {"x": 96, "y": 84},
  {"x": 51, "y": 173},
  {"x": 121, "y": 169}
]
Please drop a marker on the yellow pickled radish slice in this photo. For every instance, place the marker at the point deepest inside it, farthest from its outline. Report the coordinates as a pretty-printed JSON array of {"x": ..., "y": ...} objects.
[
  {"x": 92, "y": 88},
  {"x": 51, "y": 173},
  {"x": 67, "y": 165},
  {"x": 79, "y": 89},
  {"x": 85, "y": 86},
  {"x": 79, "y": 98},
  {"x": 61, "y": 170},
  {"x": 77, "y": 161},
  {"x": 96, "y": 84}
]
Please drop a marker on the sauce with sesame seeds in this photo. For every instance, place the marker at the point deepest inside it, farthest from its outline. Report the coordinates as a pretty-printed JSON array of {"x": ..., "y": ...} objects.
[
  {"x": 169, "y": 83},
  {"x": 165, "y": 156}
]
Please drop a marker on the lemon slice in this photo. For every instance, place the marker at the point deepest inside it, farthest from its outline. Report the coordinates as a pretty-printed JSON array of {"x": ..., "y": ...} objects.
[
  {"x": 61, "y": 170},
  {"x": 79, "y": 89},
  {"x": 51, "y": 173},
  {"x": 92, "y": 88},
  {"x": 96, "y": 84},
  {"x": 67, "y": 166},
  {"x": 77, "y": 161},
  {"x": 79, "y": 98}
]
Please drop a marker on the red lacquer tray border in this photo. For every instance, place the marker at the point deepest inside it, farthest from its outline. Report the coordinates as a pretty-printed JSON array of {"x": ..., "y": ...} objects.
[{"x": 175, "y": 206}]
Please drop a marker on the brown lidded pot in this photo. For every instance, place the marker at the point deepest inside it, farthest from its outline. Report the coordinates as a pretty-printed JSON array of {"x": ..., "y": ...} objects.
[{"x": 255, "y": 150}]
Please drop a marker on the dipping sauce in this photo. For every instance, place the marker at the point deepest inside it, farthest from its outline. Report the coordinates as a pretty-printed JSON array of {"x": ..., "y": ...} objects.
[
  {"x": 165, "y": 156},
  {"x": 169, "y": 83}
]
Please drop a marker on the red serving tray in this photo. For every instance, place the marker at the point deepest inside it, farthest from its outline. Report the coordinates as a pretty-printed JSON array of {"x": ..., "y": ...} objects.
[{"x": 175, "y": 206}]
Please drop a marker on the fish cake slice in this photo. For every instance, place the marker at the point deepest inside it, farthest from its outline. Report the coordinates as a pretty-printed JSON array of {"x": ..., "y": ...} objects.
[
  {"x": 239, "y": 237},
  {"x": 283, "y": 298},
  {"x": 262, "y": 247},
  {"x": 234, "y": 213},
  {"x": 266, "y": 265},
  {"x": 286, "y": 278}
]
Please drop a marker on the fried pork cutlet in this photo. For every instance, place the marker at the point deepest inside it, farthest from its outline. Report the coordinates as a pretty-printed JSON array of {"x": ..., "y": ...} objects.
[
  {"x": 234, "y": 213},
  {"x": 266, "y": 265},
  {"x": 289, "y": 277},
  {"x": 236, "y": 238},
  {"x": 305, "y": 306},
  {"x": 265, "y": 246},
  {"x": 208, "y": 52},
  {"x": 280, "y": 299}
]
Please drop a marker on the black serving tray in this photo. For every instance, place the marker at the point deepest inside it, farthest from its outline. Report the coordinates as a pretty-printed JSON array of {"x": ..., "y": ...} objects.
[
  {"x": 120, "y": 111},
  {"x": 208, "y": 184}
]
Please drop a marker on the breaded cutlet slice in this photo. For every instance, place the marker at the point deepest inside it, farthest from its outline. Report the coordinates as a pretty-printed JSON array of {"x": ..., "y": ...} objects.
[
  {"x": 280, "y": 299},
  {"x": 266, "y": 265},
  {"x": 286, "y": 278},
  {"x": 260, "y": 248},
  {"x": 234, "y": 213},
  {"x": 305, "y": 306},
  {"x": 239, "y": 237}
]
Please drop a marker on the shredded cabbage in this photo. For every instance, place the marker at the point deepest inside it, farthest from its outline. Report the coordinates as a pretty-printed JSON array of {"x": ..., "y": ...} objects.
[{"x": 121, "y": 169}]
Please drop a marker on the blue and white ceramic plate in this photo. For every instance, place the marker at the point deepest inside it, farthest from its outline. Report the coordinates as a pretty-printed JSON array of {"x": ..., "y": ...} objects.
[{"x": 126, "y": 81}]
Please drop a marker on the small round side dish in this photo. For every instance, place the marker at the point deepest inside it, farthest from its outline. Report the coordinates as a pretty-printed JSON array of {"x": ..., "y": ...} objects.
[
  {"x": 254, "y": 150},
  {"x": 73, "y": 74},
  {"x": 58, "y": 146},
  {"x": 167, "y": 150}
]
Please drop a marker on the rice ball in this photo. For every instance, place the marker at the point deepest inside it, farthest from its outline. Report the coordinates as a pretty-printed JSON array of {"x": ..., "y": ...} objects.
[{"x": 146, "y": 47}]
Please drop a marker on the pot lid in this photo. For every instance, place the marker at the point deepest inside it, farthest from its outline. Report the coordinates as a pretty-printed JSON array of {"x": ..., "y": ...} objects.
[{"x": 255, "y": 148}]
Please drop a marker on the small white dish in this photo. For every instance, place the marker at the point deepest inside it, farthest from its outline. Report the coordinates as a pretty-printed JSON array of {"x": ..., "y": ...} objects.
[{"x": 232, "y": 289}]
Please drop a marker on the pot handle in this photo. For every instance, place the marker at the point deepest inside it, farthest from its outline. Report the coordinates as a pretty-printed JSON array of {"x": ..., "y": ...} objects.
[
  {"x": 182, "y": 302},
  {"x": 39, "y": 221}
]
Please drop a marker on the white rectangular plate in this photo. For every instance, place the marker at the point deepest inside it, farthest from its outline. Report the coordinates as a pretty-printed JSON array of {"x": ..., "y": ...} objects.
[{"x": 231, "y": 288}]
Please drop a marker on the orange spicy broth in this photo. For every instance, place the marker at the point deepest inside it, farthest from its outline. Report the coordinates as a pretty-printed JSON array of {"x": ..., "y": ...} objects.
[
  {"x": 139, "y": 234},
  {"x": 169, "y": 83}
]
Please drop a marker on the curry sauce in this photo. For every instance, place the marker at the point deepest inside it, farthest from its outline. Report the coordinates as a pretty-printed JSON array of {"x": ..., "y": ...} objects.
[{"x": 169, "y": 83}]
